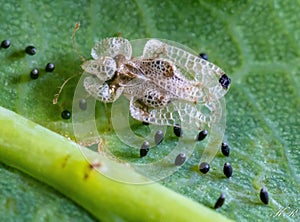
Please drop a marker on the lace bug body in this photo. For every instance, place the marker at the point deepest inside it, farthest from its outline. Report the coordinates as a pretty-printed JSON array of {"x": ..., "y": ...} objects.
[{"x": 154, "y": 80}]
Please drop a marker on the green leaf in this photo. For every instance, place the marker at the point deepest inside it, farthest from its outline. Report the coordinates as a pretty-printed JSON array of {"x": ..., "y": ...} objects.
[{"x": 255, "y": 42}]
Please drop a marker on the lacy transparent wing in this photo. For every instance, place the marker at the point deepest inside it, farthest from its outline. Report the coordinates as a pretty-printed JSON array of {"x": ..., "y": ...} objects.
[
  {"x": 176, "y": 112},
  {"x": 112, "y": 47},
  {"x": 100, "y": 90},
  {"x": 190, "y": 65},
  {"x": 104, "y": 68},
  {"x": 164, "y": 116}
]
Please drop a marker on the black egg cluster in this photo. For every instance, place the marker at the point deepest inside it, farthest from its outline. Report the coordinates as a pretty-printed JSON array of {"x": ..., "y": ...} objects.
[
  {"x": 34, "y": 74},
  {"x": 31, "y": 50},
  {"x": 5, "y": 44},
  {"x": 145, "y": 147}
]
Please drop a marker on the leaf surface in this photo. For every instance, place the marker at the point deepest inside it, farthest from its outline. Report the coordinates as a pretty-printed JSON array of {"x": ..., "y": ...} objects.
[{"x": 255, "y": 42}]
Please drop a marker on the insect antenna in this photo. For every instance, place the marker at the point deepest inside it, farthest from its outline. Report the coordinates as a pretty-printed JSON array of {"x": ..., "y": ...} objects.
[
  {"x": 56, "y": 96},
  {"x": 77, "y": 25}
]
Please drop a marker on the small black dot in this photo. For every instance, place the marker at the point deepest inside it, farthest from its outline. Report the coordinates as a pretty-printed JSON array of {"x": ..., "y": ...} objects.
[
  {"x": 34, "y": 74},
  {"x": 219, "y": 203},
  {"x": 159, "y": 136},
  {"x": 225, "y": 149},
  {"x": 66, "y": 114},
  {"x": 82, "y": 104},
  {"x": 201, "y": 135},
  {"x": 180, "y": 159},
  {"x": 5, "y": 44},
  {"x": 50, "y": 67},
  {"x": 264, "y": 196},
  {"x": 227, "y": 170},
  {"x": 144, "y": 149},
  {"x": 224, "y": 81},
  {"x": 204, "y": 167},
  {"x": 30, "y": 50},
  {"x": 177, "y": 130},
  {"x": 203, "y": 56}
]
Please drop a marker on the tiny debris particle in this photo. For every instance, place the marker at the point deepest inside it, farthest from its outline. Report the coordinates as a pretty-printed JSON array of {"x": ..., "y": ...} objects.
[
  {"x": 227, "y": 170},
  {"x": 50, "y": 67},
  {"x": 203, "y": 56},
  {"x": 224, "y": 81},
  {"x": 201, "y": 135},
  {"x": 159, "y": 136},
  {"x": 220, "y": 201},
  {"x": 95, "y": 164},
  {"x": 66, "y": 114},
  {"x": 225, "y": 149},
  {"x": 144, "y": 149},
  {"x": 82, "y": 104},
  {"x": 177, "y": 130},
  {"x": 30, "y": 50},
  {"x": 5, "y": 44},
  {"x": 204, "y": 167},
  {"x": 264, "y": 195},
  {"x": 180, "y": 159},
  {"x": 34, "y": 74}
]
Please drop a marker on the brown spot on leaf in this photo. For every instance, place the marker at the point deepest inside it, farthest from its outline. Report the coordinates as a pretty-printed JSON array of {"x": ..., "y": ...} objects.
[
  {"x": 95, "y": 164},
  {"x": 64, "y": 163}
]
